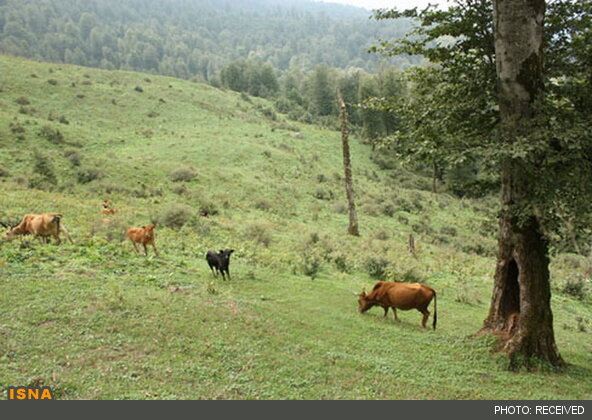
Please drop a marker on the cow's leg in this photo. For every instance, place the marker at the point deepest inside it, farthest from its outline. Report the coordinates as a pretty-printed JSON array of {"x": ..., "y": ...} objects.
[
  {"x": 223, "y": 276},
  {"x": 57, "y": 238},
  {"x": 395, "y": 312},
  {"x": 426, "y": 315},
  {"x": 136, "y": 247},
  {"x": 228, "y": 274},
  {"x": 386, "y": 308},
  {"x": 63, "y": 229},
  {"x": 155, "y": 250},
  {"x": 145, "y": 249}
]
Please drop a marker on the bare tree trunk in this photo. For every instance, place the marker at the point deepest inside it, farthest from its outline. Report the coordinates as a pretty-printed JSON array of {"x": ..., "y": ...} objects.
[
  {"x": 349, "y": 189},
  {"x": 520, "y": 312},
  {"x": 435, "y": 179},
  {"x": 411, "y": 245}
]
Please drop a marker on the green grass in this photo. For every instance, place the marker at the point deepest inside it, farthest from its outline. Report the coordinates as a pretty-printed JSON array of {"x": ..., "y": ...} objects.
[{"x": 95, "y": 321}]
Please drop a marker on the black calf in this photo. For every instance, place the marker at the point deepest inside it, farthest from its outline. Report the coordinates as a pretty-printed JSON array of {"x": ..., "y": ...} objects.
[{"x": 219, "y": 261}]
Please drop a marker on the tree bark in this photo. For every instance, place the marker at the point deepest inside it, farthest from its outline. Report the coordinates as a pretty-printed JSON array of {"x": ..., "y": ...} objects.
[
  {"x": 520, "y": 312},
  {"x": 353, "y": 228}
]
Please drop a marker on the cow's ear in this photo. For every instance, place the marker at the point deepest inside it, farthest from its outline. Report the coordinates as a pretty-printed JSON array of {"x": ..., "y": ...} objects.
[
  {"x": 230, "y": 251},
  {"x": 221, "y": 251}
]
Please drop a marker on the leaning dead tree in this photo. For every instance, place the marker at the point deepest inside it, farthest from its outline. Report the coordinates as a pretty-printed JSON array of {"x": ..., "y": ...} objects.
[{"x": 349, "y": 189}]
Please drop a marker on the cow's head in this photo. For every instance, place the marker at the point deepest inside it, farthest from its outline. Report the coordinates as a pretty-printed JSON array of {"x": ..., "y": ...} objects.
[
  {"x": 224, "y": 255},
  {"x": 11, "y": 232},
  {"x": 364, "y": 303}
]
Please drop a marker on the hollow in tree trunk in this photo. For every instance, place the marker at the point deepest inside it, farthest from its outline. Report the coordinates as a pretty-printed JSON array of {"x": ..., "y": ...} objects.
[{"x": 520, "y": 312}]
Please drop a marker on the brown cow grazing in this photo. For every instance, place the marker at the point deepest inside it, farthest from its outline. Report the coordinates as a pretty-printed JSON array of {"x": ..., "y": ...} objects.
[
  {"x": 144, "y": 236},
  {"x": 41, "y": 226},
  {"x": 402, "y": 296}
]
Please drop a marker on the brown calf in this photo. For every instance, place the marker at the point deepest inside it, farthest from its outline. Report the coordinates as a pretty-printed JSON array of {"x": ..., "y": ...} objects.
[
  {"x": 41, "y": 226},
  {"x": 107, "y": 210},
  {"x": 144, "y": 236},
  {"x": 402, "y": 296}
]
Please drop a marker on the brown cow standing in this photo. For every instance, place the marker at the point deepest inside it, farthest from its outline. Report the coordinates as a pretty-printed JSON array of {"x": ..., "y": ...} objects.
[
  {"x": 144, "y": 236},
  {"x": 41, "y": 226},
  {"x": 402, "y": 296}
]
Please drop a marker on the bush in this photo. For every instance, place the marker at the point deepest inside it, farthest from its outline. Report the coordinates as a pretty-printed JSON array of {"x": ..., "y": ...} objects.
[
  {"x": 45, "y": 175},
  {"x": 575, "y": 288},
  {"x": 4, "y": 172},
  {"x": 86, "y": 175},
  {"x": 388, "y": 209},
  {"x": 324, "y": 194},
  {"x": 176, "y": 216},
  {"x": 183, "y": 174},
  {"x": 263, "y": 204},
  {"x": 22, "y": 100},
  {"x": 311, "y": 265},
  {"x": 51, "y": 134},
  {"x": 377, "y": 267},
  {"x": 448, "y": 230},
  {"x": 16, "y": 128},
  {"x": 259, "y": 232},
  {"x": 74, "y": 156},
  {"x": 207, "y": 208},
  {"x": 179, "y": 189}
]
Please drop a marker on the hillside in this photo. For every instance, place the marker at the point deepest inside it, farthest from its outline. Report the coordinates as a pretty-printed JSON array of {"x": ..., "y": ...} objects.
[{"x": 216, "y": 169}]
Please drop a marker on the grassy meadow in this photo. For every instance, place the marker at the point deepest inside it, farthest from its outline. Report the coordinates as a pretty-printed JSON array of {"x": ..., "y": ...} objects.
[{"x": 217, "y": 169}]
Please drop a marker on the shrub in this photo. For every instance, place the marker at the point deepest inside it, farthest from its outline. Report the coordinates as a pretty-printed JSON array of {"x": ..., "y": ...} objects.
[
  {"x": 74, "y": 156},
  {"x": 4, "y": 172},
  {"x": 263, "y": 204},
  {"x": 51, "y": 134},
  {"x": 175, "y": 216},
  {"x": 17, "y": 128},
  {"x": 341, "y": 263},
  {"x": 323, "y": 194},
  {"x": 448, "y": 230},
  {"x": 321, "y": 178},
  {"x": 259, "y": 232},
  {"x": 45, "y": 175},
  {"x": 138, "y": 89},
  {"x": 382, "y": 235},
  {"x": 183, "y": 174},
  {"x": 86, "y": 175},
  {"x": 388, "y": 209},
  {"x": 377, "y": 267},
  {"x": 311, "y": 265},
  {"x": 575, "y": 288},
  {"x": 179, "y": 189},
  {"x": 207, "y": 208},
  {"x": 22, "y": 100},
  {"x": 52, "y": 82}
]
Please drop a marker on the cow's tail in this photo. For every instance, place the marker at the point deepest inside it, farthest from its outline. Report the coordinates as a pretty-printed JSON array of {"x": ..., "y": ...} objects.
[{"x": 435, "y": 310}]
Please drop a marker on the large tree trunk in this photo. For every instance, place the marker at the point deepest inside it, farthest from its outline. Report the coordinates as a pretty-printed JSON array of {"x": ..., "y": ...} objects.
[
  {"x": 353, "y": 228},
  {"x": 520, "y": 312}
]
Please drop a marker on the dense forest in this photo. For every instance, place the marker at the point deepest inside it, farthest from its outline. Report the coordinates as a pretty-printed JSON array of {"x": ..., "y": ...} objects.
[{"x": 193, "y": 39}]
